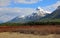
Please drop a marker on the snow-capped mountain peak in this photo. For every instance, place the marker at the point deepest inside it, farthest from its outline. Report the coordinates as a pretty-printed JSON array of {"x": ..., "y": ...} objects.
[
  {"x": 41, "y": 12},
  {"x": 39, "y": 8}
]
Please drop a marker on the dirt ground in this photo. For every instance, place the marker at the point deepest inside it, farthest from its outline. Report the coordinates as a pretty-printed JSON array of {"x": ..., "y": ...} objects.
[{"x": 19, "y": 35}]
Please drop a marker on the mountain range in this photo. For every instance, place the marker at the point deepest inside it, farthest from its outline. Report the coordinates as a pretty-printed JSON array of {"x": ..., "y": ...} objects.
[
  {"x": 39, "y": 15},
  {"x": 32, "y": 17}
]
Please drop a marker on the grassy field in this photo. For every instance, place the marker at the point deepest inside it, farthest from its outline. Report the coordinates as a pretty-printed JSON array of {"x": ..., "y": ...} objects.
[
  {"x": 19, "y": 35},
  {"x": 30, "y": 31}
]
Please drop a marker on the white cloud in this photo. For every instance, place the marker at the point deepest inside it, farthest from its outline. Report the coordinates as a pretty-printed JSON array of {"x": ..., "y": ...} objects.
[
  {"x": 53, "y": 6},
  {"x": 9, "y": 13},
  {"x": 5, "y": 2},
  {"x": 26, "y": 1},
  {"x": 17, "y": 10},
  {"x": 5, "y": 18}
]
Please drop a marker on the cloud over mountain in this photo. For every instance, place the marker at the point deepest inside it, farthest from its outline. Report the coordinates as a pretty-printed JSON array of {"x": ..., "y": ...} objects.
[
  {"x": 9, "y": 13},
  {"x": 17, "y": 10}
]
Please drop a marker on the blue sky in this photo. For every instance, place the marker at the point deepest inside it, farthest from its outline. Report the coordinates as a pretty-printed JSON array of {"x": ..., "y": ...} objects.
[
  {"x": 42, "y": 3},
  {"x": 12, "y": 8}
]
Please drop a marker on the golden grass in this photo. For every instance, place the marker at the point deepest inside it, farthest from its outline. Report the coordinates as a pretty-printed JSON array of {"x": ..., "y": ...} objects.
[{"x": 19, "y": 35}]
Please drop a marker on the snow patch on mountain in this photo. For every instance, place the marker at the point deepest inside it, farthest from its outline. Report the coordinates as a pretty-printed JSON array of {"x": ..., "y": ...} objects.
[
  {"x": 41, "y": 12},
  {"x": 38, "y": 13}
]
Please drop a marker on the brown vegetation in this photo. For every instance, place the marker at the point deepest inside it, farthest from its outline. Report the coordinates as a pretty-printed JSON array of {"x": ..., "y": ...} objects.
[{"x": 40, "y": 30}]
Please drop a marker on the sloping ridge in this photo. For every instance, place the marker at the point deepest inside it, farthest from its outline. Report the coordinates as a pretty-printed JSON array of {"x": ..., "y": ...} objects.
[
  {"x": 17, "y": 20},
  {"x": 53, "y": 18},
  {"x": 54, "y": 14}
]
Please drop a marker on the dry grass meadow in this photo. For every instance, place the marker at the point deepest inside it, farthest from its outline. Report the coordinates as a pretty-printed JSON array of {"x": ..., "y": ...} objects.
[
  {"x": 29, "y": 31},
  {"x": 19, "y": 35}
]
